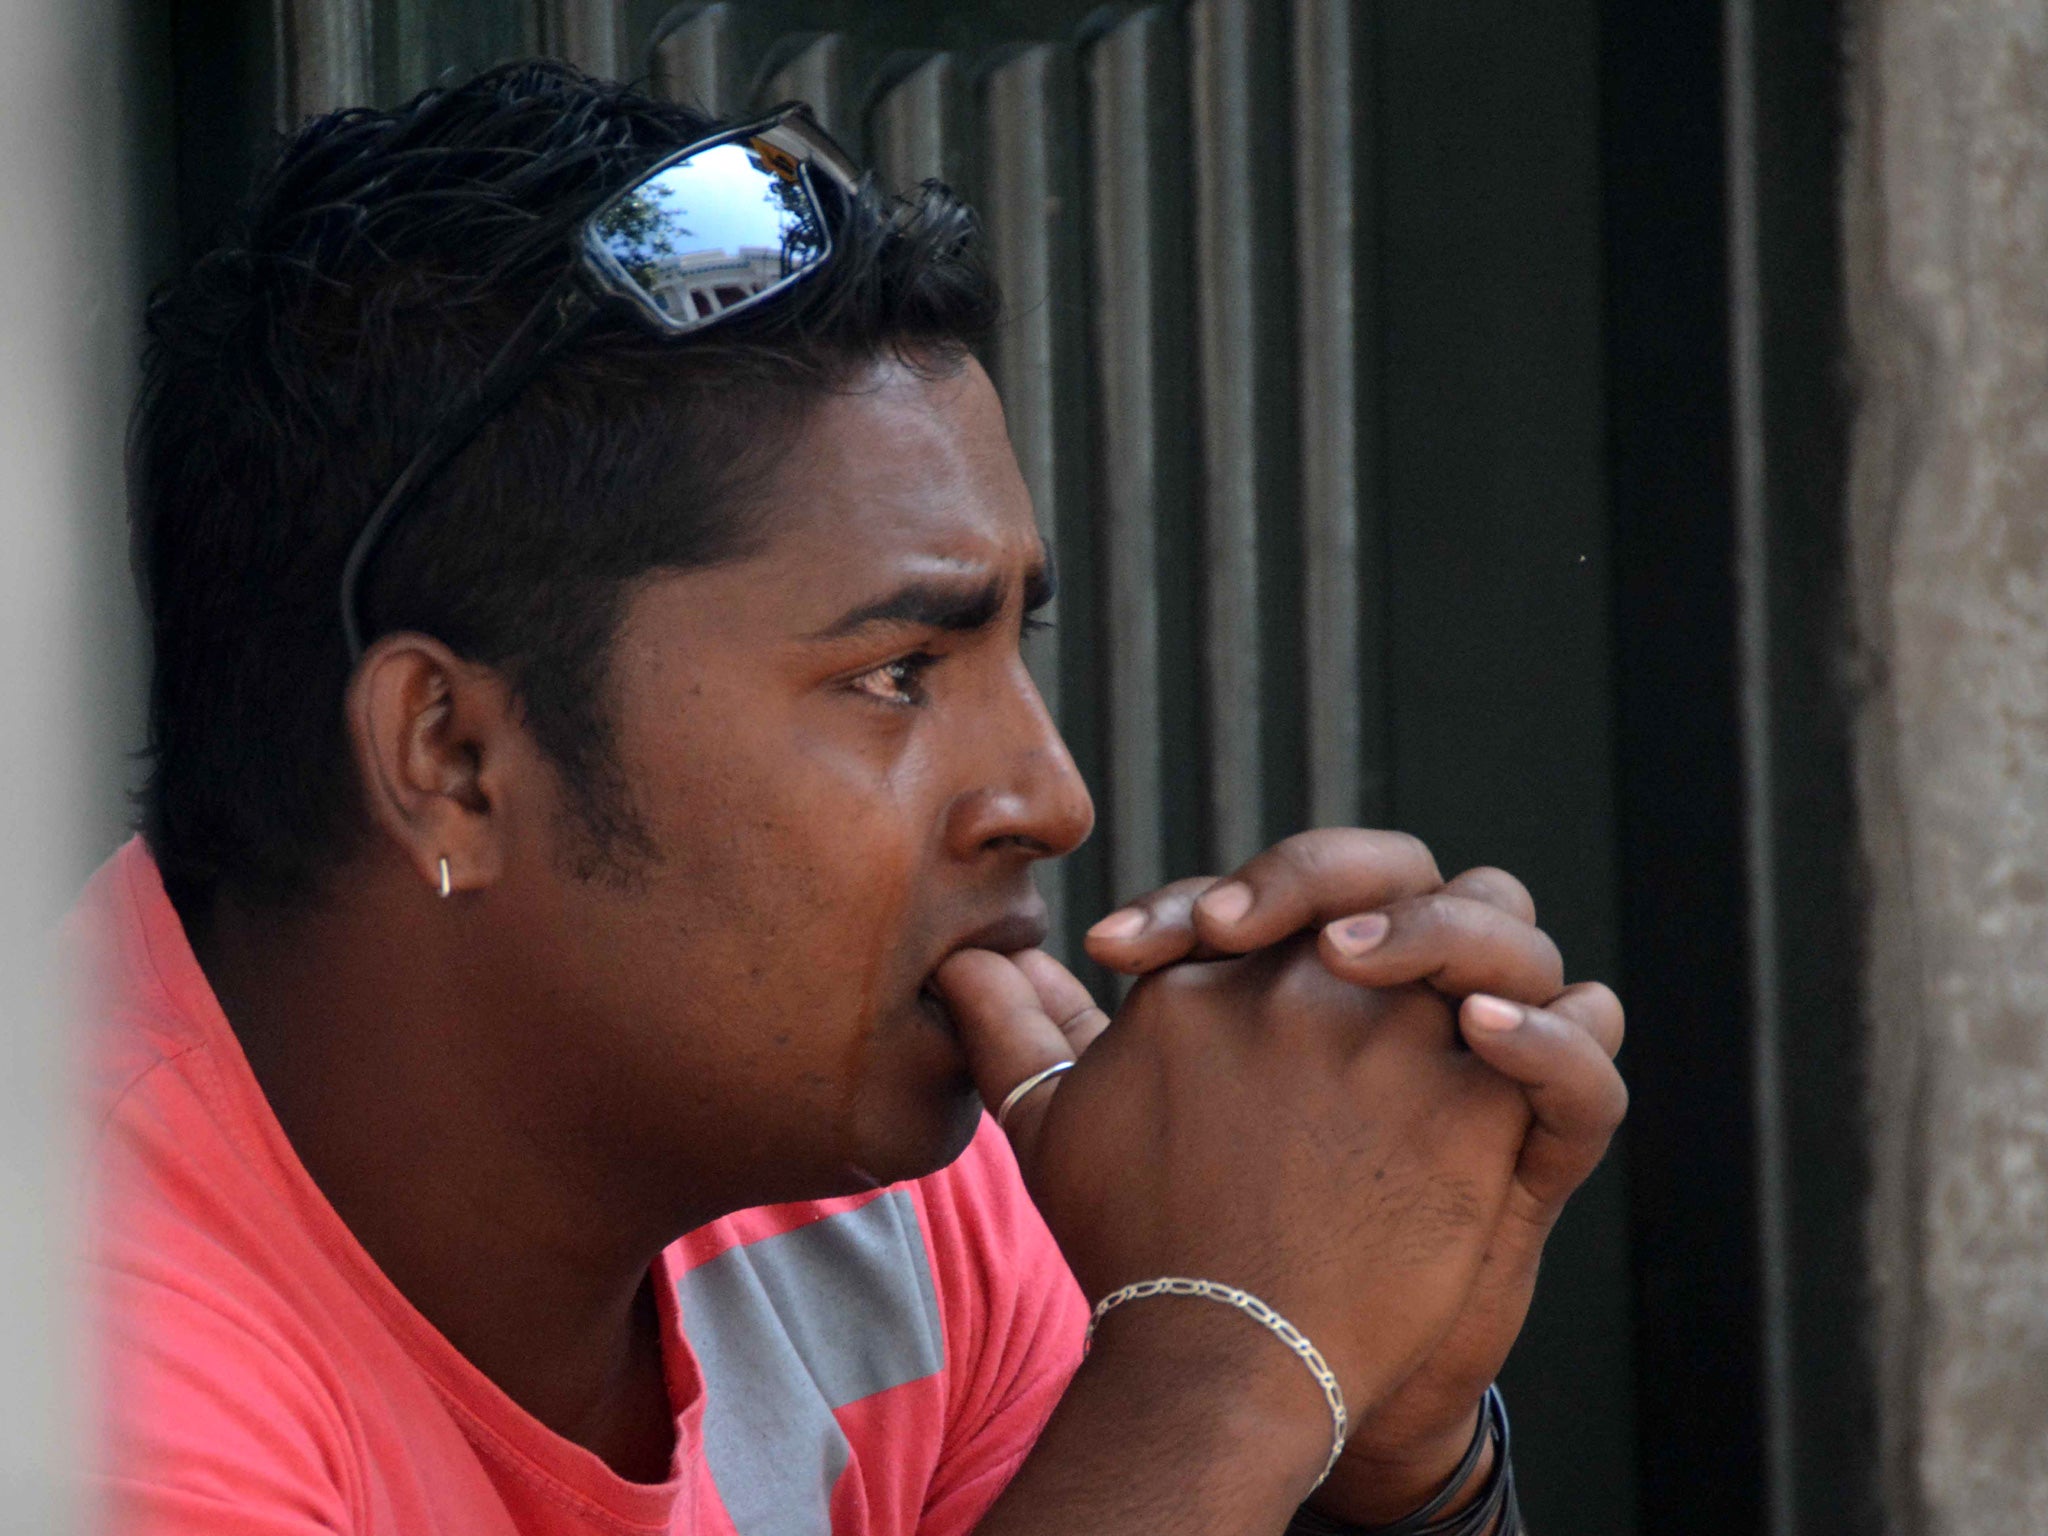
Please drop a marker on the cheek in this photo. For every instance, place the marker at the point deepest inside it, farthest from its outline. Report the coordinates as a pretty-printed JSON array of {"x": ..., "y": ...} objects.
[
  {"x": 777, "y": 826},
  {"x": 789, "y": 864}
]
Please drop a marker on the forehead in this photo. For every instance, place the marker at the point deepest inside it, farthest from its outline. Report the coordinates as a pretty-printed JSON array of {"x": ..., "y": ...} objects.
[
  {"x": 900, "y": 480},
  {"x": 909, "y": 462}
]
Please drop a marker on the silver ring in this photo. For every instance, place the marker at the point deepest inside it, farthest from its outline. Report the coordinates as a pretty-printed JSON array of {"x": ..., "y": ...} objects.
[{"x": 1016, "y": 1094}]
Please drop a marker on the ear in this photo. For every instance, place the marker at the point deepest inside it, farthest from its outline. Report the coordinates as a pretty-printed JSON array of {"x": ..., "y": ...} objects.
[{"x": 439, "y": 752}]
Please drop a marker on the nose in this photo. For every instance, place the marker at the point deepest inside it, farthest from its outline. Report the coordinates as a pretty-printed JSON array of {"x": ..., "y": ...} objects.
[{"x": 1024, "y": 790}]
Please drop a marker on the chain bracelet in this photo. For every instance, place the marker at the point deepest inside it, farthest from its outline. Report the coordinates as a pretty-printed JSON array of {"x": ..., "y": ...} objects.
[{"x": 1260, "y": 1313}]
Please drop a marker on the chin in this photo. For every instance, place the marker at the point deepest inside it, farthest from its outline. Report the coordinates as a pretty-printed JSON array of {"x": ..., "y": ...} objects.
[
  {"x": 965, "y": 1120},
  {"x": 907, "y": 1141}
]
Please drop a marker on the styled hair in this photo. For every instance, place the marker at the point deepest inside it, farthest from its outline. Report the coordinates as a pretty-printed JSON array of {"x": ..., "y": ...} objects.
[{"x": 293, "y": 370}]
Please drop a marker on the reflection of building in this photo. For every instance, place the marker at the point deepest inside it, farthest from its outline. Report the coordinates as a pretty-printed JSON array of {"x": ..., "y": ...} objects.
[{"x": 704, "y": 283}]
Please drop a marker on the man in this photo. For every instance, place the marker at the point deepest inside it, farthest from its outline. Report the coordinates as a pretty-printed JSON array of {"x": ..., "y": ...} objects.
[{"x": 584, "y": 904}]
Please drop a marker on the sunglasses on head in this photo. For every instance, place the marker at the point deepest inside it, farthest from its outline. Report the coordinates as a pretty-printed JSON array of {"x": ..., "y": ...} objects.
[{"x": 711, "y": 231}]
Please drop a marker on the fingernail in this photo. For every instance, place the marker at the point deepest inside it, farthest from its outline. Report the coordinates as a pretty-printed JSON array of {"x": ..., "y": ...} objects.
[
  {"x": 1227, "y": 902},
  {"x": 1492, "y": 1013},
  {"x": 1127, "y": 924},
  {"x": 1355, "y": 935}
]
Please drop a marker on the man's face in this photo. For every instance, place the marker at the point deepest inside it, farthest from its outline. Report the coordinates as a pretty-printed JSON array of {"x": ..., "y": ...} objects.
[{"x": 847, "y": 773}]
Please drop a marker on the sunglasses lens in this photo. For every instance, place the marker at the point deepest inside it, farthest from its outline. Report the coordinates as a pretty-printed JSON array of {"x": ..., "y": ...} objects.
[{"x": 714, "y": 231}]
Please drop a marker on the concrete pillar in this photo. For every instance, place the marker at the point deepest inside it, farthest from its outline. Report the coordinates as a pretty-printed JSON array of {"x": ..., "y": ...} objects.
[{"x": 1946, "y": 190}]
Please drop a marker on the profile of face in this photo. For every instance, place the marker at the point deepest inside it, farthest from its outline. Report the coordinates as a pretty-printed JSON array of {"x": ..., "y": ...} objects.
[{"x": 845, "y": 773}]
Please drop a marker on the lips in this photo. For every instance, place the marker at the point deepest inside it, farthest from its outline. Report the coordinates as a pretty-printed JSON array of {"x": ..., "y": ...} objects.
[{"x": 1022, "y": 927}]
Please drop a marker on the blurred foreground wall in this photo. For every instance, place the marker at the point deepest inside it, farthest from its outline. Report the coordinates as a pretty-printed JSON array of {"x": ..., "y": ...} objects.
[
  {"x": 39, "y": 749},
  {"x": 1948, "y": 240},
  {"x": 77, "y": 128}
]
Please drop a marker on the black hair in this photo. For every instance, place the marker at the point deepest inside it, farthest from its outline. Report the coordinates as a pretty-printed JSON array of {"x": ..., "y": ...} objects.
[{"x": 289, "y": 374}]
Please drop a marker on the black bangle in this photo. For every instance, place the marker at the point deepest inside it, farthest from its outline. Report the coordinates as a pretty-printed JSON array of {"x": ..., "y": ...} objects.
[
  {"x": 1495, "y": 1501},
  {"x": 1495, "y": 1510}
]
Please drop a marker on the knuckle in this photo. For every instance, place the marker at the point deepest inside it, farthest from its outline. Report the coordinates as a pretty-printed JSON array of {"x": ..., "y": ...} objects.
[
  {"x": 1468, "y": 918},
  {"x": 1415, "y": 850},
  {"x": 1595, "y": 1004},
  {"x": 1297, "y": 973},
  {"x": 1317, "y": 842},
  {"x": 1435, "y": 909},
  {"x": 1182, "y": 894},
  {"x": 1169, "y": 989},
  {"x": 1501, "y": 889},
  {"x": 1323, "y": 850},
  {"x": 1430, "y": 923},
  {"x": 1079, "y": 1015},
  {"x": 1302, "y": 985},
  {"x": 1164, "y": 897},
  {"x": 1334, "y": 858},
  {"x": 1307, "y": 855},
  {"x": 1473, "y": 932}
]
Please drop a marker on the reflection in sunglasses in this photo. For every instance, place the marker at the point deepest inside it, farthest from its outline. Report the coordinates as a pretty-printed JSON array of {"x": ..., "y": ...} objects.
[{"x": 713, "y": 231}]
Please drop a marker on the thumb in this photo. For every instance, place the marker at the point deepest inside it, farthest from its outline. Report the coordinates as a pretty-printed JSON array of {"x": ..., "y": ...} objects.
[{"x": 1008, "y": 1034}]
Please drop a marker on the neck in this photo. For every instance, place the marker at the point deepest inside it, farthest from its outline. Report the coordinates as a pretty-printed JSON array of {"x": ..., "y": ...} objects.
[{"x": 414, "y": 1099}]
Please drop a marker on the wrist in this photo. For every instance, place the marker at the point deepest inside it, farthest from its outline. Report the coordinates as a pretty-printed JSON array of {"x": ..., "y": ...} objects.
[
  {"x": 1477, "y": 1498},
  {"x": 1167, "y": 1432},
  {"x": 1377, "y": 1485},
  {"x": 1248, "y": 1392}
]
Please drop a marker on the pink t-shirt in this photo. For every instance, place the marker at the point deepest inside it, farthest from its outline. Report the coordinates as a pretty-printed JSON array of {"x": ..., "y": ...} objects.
[{"x": 872, "y": 1366}]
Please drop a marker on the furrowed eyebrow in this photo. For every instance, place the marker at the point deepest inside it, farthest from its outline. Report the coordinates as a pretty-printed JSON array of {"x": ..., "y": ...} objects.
[
  {"x": 942, "y": 605},
  {"x": 924, "y": 605}
]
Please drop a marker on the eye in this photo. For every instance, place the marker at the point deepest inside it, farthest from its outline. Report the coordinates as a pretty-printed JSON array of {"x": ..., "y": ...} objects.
[
  {"x": 1033, "y": 625},
  {"x": 899, "y": 682}
]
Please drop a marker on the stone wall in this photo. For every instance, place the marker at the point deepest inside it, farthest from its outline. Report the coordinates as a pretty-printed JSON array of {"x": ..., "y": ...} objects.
[{"x": 1947, "y": 238}]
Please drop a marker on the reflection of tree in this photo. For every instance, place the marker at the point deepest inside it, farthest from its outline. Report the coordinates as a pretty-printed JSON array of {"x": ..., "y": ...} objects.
[
  {"x": 640, "y": 233},
  {"x": 803, "y": 236}
]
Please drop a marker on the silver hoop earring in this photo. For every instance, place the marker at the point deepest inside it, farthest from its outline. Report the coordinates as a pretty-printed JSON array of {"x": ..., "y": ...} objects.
[{"x": 446, "y": 884}]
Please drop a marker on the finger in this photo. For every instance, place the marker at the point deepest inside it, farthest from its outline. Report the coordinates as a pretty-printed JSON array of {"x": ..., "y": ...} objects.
[
  {"x": 1497, "y": 888},
  {"x": 1576, "y": 1096},
  {"x": 1158, "y": 929},
  {"x": 1456, "y": 944},
  {"x": 1007, "y": 1035},
  {"x": 1311, "y": 879},
  {"x": 1065, "y": 1001},
  {"x": 1154, "y": 930},
  {"x": 1596, "y": 1010}
]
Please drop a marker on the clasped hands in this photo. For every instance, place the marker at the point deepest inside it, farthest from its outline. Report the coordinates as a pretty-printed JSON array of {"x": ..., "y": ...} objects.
[{"x": 1283, "y": 1106}]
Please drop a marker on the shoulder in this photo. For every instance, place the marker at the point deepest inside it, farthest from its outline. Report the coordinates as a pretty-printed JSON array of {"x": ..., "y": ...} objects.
[
  {"x": 222, "y": 1394},
  {"x": 141, "y": 1003},
  {"x": 218, "y": 1400},
  {"x": 209, "y": 1417}
]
